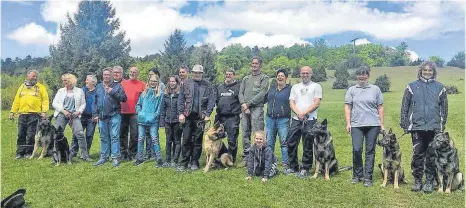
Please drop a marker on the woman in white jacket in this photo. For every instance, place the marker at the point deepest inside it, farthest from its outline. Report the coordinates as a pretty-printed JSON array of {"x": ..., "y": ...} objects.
[{"x": 69, "y": 103}]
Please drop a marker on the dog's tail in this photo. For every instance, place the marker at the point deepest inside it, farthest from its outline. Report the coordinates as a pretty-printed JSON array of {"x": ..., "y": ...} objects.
[
  {"x": 345, "y": 168},
  {"x": 226, "y": 160}
]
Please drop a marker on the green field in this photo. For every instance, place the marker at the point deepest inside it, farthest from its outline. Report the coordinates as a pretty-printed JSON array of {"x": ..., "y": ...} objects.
[{"x": 82, "y": 185}]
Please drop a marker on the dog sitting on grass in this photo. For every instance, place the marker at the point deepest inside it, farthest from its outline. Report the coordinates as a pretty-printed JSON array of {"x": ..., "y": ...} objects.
[
  {"x": 391, "y": 168},
  {"x": 61, "y": 148},
  {"x": 44, "y": 136},
  {"x": 214, "y": 147}
]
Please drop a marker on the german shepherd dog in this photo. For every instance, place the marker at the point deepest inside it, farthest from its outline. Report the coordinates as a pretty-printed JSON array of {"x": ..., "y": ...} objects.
[
  {"x": 61, "y": 149},
  {"x": 44, "y": 136},
  {"x": 324, "y": 151},
  {"x": 447, "y": 162},
  {"x": 213, "y": 145},
  {"x": 391, "y": 168}
]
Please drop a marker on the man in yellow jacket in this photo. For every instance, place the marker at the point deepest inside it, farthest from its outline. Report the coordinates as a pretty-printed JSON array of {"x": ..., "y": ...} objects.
[{"x": 31, "y": 103}]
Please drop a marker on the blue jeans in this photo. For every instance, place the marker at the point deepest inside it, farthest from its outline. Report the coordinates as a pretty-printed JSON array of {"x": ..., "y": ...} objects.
[
  {"x": 154, "y": 134},
  {"x": 280, "y": 126},
  {"x": 110, "y": 137}
]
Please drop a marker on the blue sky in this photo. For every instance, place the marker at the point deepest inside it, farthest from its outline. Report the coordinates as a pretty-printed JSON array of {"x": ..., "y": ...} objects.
[{"x": 429, "y": 28}]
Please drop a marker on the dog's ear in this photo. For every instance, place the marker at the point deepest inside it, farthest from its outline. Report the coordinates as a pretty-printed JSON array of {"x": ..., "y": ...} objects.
[
  {"x": 383, "y": 133},
  {"x": 447, "y": 135},
  {"x": 324, "y": 122},
  {"x": 217, "y": 124},
  {"x": 390, "y": 131}
]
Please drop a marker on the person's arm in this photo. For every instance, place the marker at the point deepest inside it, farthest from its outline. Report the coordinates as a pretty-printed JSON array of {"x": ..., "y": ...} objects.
[
  {"x": 162, "y": 111},
  {"x": 268, "y": 162},
  {"x": 260, "y": 97},
  {"x": 405, "y": 105},
  {"x": 95, "y": 108},
  {"x": 443, "y": 108},
  {"x": 139, "y": 104},
  {"x": 157, "y": 109},
  {"x": 251, "y": 161},
  {"x": 15, "y": 105},
  {"x": 348, "y": 108},
  {"x": 81, "y": 108},
  {"x": 119, "y": 94},
  {"x": 241, "y": 92},
  {"x": 56, "y": 104},
  {"x": 381, "y": 117}
]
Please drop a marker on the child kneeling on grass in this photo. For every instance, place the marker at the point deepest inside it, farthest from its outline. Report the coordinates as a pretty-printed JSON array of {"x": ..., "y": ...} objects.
[
  {"x": 261, "y": 160},
  {"x": 148, "y": 110}
]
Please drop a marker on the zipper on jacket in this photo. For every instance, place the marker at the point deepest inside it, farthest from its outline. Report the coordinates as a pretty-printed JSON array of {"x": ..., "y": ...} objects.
[{"x": 273, "y": 104}]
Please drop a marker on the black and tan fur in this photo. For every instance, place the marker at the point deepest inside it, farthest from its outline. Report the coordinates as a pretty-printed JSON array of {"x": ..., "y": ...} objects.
[
  {"x": 61, "y": 149},
  {"x": 447, "y": 163},
  {"x": 324, "y": 151},
  {"x": 391, "y": 168},
  {"x": 44, "y": 136},
  {"x": 212, "y": 145}
]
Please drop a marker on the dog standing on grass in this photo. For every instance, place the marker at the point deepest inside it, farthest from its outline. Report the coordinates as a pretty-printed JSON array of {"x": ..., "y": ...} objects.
[
  {"x": 213, "y": 146},
  {"x": 391, "y": 168},
  {"x": 324, "y": 152},
  {"x": 44, "y": 136},
  {"x": 447, "y": 162}
]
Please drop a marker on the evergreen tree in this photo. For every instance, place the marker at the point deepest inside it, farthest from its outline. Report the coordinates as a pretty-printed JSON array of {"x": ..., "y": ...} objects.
[{"x": 174, "y": 54}]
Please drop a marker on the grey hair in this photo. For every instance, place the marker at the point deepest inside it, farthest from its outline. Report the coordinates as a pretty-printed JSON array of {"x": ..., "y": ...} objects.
[
  {"x": 94, "y": 78},
  {"x": 118, "y": 67},
  {"x": 33, "y": 70}
]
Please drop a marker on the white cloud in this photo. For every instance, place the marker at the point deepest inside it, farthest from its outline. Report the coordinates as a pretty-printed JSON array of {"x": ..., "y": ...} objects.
[
  {"x": 362, "y": 41},
  {"x": 32, "y": 34},
  {"x": 412, "y": 55},
  {"x": 55, "y": 11}
]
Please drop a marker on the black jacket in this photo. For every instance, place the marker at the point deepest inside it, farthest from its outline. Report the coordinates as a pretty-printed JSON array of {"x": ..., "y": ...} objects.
[
  {"x": 278, "y": 102},
  {"x": 227, "y": 99},
  {"x": 260, "y": 161},
  {"x": 206, "y": 98},
  {"x": 169, "y": 111}
]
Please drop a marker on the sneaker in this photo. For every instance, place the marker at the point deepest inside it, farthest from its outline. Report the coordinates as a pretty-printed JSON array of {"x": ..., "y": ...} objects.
[
  {"x": 189, "y": 165},
  {"x": 285, "y": 166},
  {"x": 417, "y": 185},
  {"x": 356, "y": 180},
  {"x": 165, "y": 165},
  {"x": 181, "y": 169},
  {"x": 289, "y": 171},
  {"x": 88, "y": 159},
  {"x": 427, "y": 188},
  {"x": 115, "y": 163},
  {"x": 100, "y": 162},
  {"x": 18, "y": 156},
  {"x": 367, "y": 183},
  {"x": 159, "y": 164},
  {"x": 173, "y": 165},
  {"x": 303, "y": 174},
  {"x": 138, "y": 162},
  {"x": 194, "y": 167}
]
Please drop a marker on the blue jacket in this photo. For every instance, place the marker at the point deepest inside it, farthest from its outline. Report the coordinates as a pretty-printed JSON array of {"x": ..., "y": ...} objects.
[
  {"x": 108, "y": 104},
  {"x": 90, "y": 96},
  {"x": 278, "y": 102},
  {"x": 424, "y": 106},
  {"x": 148, "y": 107}
]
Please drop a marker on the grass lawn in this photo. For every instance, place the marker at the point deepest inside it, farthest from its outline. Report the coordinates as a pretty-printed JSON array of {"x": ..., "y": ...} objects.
[{"x": 82, "y": 185}]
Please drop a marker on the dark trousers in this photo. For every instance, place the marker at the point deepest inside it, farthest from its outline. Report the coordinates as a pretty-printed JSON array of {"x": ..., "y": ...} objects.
[
  {"x": 191, "y": 146},
  {"x": 27, "y": 125},
  {"x": 173, "y": 141},
  {"x": 231, "y": 124},
  {"x": 297, "y": 130},
  {"x": 422, "y": 154},
  {"x": 89, "y": 128},
  {"x": 358, "y": 134},
  {"x": 129, "y": 146}
]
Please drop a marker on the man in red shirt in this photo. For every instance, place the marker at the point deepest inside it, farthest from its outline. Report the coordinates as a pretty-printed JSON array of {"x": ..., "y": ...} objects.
[{"x": 133, "y": 88}]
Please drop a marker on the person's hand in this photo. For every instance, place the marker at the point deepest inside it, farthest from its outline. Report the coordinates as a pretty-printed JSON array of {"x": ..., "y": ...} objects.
[
  {"x": 348, "y": 128},
  {"x": 108, "y": 89},
  {"x": 95, "y": 119},
  {"x": 301, "y": 116},
  {"x": 181, "y": 118},
  {"x": 12, "y": 116},
  {"x": 76, "y": 114},
  {"x": 207, "y": 118},
  {"x": 264, "y": 180},
  {"x": 44, "y": 116},
  {"x": 66, "y": 113},
  {"x": 248, "y": 178},
  {"x": 244, "y": 106},
  {"x": 247, "y": 111},
  {"x": 382, "y": 128}
]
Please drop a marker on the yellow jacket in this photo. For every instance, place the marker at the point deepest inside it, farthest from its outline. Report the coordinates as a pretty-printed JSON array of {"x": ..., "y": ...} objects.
[{"x": 32, "y": 100}]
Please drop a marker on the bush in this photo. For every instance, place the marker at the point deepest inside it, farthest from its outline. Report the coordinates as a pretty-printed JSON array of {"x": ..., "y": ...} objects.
[
  {"x": 383, "y": 83},
  {"x": 319, "y": 74},
  {"x": 10, "y": 85},
  {"x": 451, "y": 89},
  {"x": 340, "y": 83},
  {"x": 341, "y": 72}
]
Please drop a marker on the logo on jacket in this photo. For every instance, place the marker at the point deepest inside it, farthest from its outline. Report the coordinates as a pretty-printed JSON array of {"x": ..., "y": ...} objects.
[{"x": 227, "y": 94}]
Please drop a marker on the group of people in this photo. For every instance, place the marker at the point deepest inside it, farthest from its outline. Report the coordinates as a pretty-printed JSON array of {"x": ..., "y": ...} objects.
[{"x": 130, "y": 112}]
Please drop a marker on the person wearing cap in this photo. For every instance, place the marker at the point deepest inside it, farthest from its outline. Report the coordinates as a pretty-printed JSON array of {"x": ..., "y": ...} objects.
[
  {"x": 252, "y": 94},
  {"x": 31, "y": 103},
  {"x": 364, "y": 117},
  {"x": 424, "y": 112},
  {"x": 133, "y": 87},
  {"x": 229, "y": 109},
  {"x": 278, "y": 114},
  {"x": 195, "y": 104}
]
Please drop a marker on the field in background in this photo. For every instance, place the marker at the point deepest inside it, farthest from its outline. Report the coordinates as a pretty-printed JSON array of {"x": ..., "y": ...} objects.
[{"x": 81, "y": 185}]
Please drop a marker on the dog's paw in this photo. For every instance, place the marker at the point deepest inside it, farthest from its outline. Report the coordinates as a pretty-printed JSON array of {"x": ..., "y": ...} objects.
[
  {"x": 448, "y": 191},
  {"x": 396, "y": 190},
  {"x": 327, "y": 178},
  {"x": 440, "y": 190},
  {"x": 40, "y": 158},
  {"x": 314, "y": 176},
  {"x": 57, "y": 164},
  {"x": 383, "y": 185},
  {"x": 206, "y": 170},
  {"x": 69, "y": 163},
  {"x": 32, "y": 156}
]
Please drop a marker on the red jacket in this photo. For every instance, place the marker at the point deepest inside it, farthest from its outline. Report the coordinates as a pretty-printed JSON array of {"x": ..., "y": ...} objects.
[{"x": 133, "y": 89}]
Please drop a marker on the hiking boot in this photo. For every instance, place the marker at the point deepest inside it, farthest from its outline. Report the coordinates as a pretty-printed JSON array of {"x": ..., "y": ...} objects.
[
  {"x": 428, "y": 185},
  {"x": 159, "y": 164},
  {"x": 356, "y": 180},
  {"x": 173, "y": 165},
  {"x": 367, "y": 183},
  {"x": 194, "y": 167},
  {"x": 18, "y": 156},
  {"x": 166, "y": 165},
  {"x": 100, "y": 162},
  {"x": 417, "y": 185},
  {"x": 138, "y": 162},
  {"x": 289, "y": 171},
  {"x": 115, "y": 163},
  {"x": 303, "y": 174}
]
